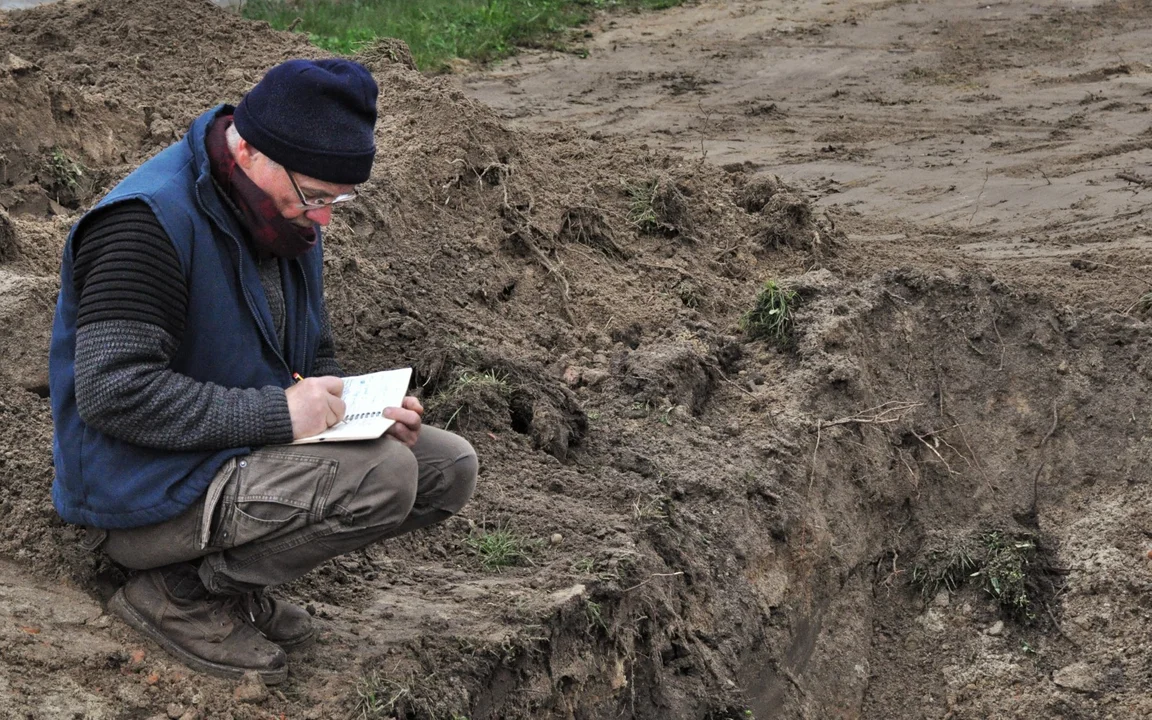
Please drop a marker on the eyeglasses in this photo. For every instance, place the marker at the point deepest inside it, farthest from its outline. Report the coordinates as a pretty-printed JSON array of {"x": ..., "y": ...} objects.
[{"x": 317, "y": 203}]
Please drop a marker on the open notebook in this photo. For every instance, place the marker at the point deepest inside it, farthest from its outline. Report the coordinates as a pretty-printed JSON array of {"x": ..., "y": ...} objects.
[{"x": 365, "y": 397}]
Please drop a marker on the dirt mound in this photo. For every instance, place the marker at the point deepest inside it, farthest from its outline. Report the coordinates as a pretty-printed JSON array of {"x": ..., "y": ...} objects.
[{"x": 92, "y": 88}]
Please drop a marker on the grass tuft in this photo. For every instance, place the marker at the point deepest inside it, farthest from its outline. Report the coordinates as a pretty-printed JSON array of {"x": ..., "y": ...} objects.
[
  {"x": 501, "y": 548},
  {"x": 377, "y": 698},
  {"x": 642, "y": 206},
  {"x": 944, "y": 569},
  {"x": 1002, "y": 563},
  {"x": 467, "y": 389},
  {"x": 439, "y": 30},
  {"x": 1005, "y": 572},
  {"x": 771, "y": 317},
  {"x": 66, "y": 172},
  {"x": 1144, "y": 303}
]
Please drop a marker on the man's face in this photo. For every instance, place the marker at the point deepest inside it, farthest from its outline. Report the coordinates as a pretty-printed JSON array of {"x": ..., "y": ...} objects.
[{"x": 291, "y": 192}]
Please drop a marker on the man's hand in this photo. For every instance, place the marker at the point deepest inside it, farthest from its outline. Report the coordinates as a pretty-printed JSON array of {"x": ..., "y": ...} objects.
[
  {"x": 315, "y": 405},
  {"x": 406, "y": 429}
]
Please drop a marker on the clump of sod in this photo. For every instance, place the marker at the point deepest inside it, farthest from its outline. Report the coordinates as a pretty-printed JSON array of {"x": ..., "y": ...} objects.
[
  {"x": 771, "y": 317},
  {"x": 1003, "y": 563}
]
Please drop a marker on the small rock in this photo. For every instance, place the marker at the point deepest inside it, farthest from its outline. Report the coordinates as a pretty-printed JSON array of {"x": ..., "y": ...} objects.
[
  {"x": 175, "y": 712},
  {"x": 572, "y": 376},
  {"x": 251, "y": 689},
  {"x": 1077, "y": 676},
  {"x": 593, "y": 378},
  {"x": 556, "y": 538},
  {"x": 562, "y": 596},
  {"x": 997, "y": 629},
  {"x": 637, "y": 411},
  {"x": 16, "y": 64},
  {"x": 190, "y": 715}
]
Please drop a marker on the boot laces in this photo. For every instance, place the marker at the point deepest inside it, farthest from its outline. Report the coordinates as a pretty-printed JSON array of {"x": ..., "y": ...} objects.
[{"x": 254, "y": 602}]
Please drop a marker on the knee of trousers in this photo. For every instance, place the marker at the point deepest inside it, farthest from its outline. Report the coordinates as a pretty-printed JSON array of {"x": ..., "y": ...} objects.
[
  {"x": 388, "y": 491},
  {"x": 461, "y": 482}
]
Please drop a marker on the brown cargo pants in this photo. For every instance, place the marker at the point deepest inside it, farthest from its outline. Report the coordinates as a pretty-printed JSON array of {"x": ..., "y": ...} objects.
[{"x": 271, "y": 516}]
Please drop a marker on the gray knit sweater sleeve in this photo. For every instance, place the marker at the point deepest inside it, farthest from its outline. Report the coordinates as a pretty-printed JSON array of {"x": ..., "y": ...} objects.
[
  {"x": 125, "y": 389},
  {"x": 130, "y": 321}
]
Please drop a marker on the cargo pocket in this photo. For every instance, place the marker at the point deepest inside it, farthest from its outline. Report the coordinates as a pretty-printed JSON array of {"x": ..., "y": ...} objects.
[{"x": 272, "y": 493}]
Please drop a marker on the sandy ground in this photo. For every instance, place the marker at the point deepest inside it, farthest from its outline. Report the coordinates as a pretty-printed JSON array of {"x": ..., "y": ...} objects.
[{"x": 1002, "y": 125}]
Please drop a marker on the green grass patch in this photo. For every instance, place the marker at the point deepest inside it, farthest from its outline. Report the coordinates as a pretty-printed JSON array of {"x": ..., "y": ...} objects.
[
  {"x": 642, "y": 206},
  {"x": 438, "y": 30},
  {"x": 65, "y": 172},
  {"x": 771, "y": 317},
  {"x": 501, "y": 548},
  {"x": 378, "y": 697},
  {"x": 1004, "y": 564}
]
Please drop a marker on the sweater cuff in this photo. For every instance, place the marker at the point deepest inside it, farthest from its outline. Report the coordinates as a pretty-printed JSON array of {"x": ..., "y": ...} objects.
[{"x": 277, "y": 419}]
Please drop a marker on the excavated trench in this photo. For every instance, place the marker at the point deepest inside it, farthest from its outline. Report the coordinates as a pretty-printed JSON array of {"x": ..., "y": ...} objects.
[{"x": 926, "y": 416}]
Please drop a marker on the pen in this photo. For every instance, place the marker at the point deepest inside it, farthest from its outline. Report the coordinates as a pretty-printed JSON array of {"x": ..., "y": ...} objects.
[{"x": 297, "y": 376}]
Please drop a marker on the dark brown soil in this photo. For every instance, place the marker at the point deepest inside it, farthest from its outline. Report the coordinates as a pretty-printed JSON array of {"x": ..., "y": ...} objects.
[{"x": 708, "y": 526}]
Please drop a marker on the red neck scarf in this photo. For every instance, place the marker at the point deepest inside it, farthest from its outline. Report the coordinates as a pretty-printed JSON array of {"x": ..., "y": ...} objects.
[{"x": 270, "y": 232}]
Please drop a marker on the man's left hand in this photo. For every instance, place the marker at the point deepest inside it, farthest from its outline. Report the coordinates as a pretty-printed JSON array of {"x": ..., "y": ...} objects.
[{"x": 408, "y": 416}]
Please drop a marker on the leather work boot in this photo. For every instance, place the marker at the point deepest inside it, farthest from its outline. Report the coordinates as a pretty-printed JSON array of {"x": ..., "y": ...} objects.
[
  {"x": 209, "y": 633},
  {"x": 280, "y": 621}
]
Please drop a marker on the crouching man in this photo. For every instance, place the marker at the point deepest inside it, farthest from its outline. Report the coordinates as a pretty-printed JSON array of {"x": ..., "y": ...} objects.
[{"x": 191, "y": 296}]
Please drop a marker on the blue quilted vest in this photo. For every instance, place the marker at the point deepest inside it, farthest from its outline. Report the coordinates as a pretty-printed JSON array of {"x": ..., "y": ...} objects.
[{"x": 229, "y": 339}]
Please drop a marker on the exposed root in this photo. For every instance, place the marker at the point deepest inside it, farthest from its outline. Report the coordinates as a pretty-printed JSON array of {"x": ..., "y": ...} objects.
[
  {"x": 652, "y": 577},
  {"x": 1055, "y": 624},
  {"x": 883, "y": 414},
  {"x": 523, "y": 231},
  {"x": 586, "y": 225},
  {"x": 1055, "y": 422},
  {"x": 888, "y": 412},
  {"x": 932, "y": 446}
]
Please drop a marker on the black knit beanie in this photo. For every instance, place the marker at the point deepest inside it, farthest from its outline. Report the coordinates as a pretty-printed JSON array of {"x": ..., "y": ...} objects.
[{"x": 314, "y": 117}]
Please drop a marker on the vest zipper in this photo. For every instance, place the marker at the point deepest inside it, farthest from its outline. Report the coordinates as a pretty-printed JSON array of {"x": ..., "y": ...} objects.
[{"x": 240, "y": 279}]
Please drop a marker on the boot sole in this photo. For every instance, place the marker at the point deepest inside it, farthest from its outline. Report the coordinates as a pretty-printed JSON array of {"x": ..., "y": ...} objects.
[{"x": 120, "y": 605}]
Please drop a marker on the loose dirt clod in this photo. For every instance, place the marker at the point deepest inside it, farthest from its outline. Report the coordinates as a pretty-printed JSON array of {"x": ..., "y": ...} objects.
[{"x": 7, "y": 238}]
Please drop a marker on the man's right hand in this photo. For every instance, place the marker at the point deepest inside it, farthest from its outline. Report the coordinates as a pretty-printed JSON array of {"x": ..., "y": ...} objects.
[{"x": 315, "y": 405}]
